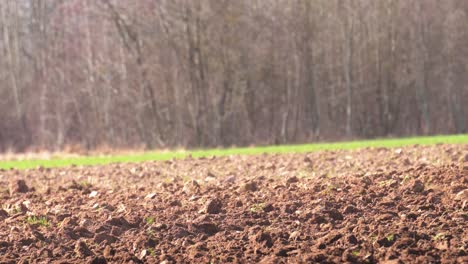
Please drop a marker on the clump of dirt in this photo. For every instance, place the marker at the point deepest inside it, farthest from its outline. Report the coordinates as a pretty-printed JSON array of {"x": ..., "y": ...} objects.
[
  {"x": 405, "y": 205},
  {"x": 213, "y": 206},
  {"x": 18, "y": 186}
]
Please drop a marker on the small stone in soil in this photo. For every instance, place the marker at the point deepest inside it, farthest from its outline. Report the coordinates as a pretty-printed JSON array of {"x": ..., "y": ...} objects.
[
  {"x": 294, "y": 235},
  {"x": 150, "y": 196},
  {"x": 463, "y": 195},
  {"x": 108, "y": 252},
  {"x": 231, "y": 179},
  {"x": 143, "y": 254}
]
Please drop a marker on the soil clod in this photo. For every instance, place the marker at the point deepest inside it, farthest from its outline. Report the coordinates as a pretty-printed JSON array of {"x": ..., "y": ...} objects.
[
  {"x": 103, "y": 237},
  {"x": 417, "y": 186},
  {"x": 250, "y": 186},
  {"x": 213, "y": 206},
  {"x": 82, "y": 249},
  {"x": 18, "y": 186},
  {"x": 3, "y": 214}
]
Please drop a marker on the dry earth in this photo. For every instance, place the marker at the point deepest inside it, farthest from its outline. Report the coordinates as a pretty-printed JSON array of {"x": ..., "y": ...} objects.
[{"x": 404, "y": 205}]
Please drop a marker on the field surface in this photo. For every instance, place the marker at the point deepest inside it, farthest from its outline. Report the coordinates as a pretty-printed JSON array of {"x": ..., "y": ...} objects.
[
  {"x": 372, "y": 205},
  {"x": 50, "y": 160}
]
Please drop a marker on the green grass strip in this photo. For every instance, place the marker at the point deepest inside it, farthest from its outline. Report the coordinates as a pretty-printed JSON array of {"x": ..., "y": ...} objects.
[{"x": 166, "y": 155}]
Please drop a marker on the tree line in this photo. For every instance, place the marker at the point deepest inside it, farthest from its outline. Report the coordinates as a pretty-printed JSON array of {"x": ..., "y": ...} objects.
[{"x": 170, "y": 73}]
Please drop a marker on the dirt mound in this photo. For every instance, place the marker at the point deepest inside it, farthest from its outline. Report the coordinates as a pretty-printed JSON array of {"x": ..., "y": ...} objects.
[{"x": 372, "y": 205}]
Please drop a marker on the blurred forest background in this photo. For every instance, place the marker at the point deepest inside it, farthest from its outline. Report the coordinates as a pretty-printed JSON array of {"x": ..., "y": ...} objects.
[{"x": 183, "y": 73}]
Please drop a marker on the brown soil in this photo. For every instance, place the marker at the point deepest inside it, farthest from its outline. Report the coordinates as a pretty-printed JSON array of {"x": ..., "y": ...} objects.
[{"x": 371, "y": 205}]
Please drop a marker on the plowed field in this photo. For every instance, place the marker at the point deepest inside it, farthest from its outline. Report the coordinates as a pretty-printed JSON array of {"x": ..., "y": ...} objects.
[{"x": 407, "y": 205}]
